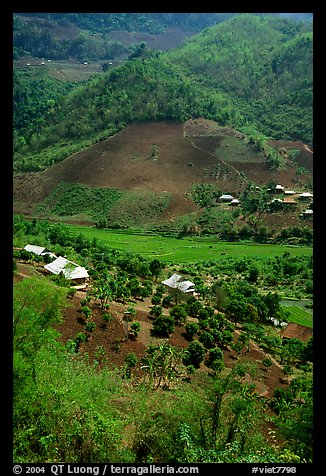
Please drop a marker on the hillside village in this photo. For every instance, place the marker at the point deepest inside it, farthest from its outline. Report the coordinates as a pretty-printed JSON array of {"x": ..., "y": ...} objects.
[{"x": 163, "y": 272}]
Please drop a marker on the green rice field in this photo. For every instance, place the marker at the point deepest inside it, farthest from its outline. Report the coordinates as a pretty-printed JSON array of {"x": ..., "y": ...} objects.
[
  {"x": 185, "y": 250},
  {"x": 298, "y": 313}
]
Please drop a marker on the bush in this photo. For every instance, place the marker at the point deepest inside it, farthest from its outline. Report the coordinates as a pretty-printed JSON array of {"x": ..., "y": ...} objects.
[
  {"x": 191, "y": 329},
  {"x": 163, "y": 325},
  {"x": 81, "y": 337},
  {"x": 194, "y": 354},
  {"x": 107, "y": 317},
  {"x": 86, "y": 311},
  {"x": 134, "y": 330},
  {"x": 90, "y": 326}
]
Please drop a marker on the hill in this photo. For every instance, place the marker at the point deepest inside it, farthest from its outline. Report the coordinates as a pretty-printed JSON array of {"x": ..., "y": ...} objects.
[
  {"x": 151, "y": 173},
  {"x": 211, "y": 76}
]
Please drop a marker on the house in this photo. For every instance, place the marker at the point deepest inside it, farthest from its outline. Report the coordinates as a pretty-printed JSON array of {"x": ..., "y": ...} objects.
[
  {"x": 234, "y": 202},
  {"x": 279, "y": 188},
  {"x": 39, "y": 250},
  {"x": 289, "y": 201},
  {"x": 277, "y": 322},
  {"x": 305, "y": 196},
  {"x": 289, "y": 192},
  {"x": 69, "y": 270},
  {"x": 226, "y": 198},
  {"x": 178, "y": 282},
  {"x": 307, "y": 213}
]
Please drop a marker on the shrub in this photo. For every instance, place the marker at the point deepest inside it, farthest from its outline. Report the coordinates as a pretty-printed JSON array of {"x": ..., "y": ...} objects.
[
  {"x": 81, "y": 337},
  {"x": 163, "y": 325},
  {"x": 134, "y": 330},
  {"x": 107, "y": 317},
  {"x": 131, "y": 359},
  {"x": 86, "y": 311},
  {"x": 191, "y": 329},
  {"x": 90, "y": 326},
  {"x": 194, "y": 354}
]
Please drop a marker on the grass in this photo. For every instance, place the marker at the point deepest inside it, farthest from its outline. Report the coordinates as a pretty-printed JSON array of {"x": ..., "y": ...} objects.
[
  {"x": 186, "y": 250},
  {"x": 298, "y": 314}
]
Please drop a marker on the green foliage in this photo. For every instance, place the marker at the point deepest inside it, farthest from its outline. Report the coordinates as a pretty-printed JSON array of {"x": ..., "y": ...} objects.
[
  {"x": 135, "y": 328},
  {"x": 163, "y": 325},
  {"x": 131, "y": 359},
  {"x": 194, "y": 354},
  {"x": 205, "y": 194},
  {"x": 68, "y": 199},
  {"x": 90, "y": 326},
  {"x": 179, "y": 314},
  {"x": 86, "y": 311},
  {"x": 191, "y": 329}
]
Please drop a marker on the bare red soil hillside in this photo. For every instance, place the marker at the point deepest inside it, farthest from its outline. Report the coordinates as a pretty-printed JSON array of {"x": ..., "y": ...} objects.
[{"x": 159, "y": 157}]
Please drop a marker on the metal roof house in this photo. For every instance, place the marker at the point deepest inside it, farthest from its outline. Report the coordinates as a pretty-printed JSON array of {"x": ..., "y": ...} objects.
[
  {"x": 176, "y": 281},
  {"x": 39, "y": 250},
  {"x": 69, "y": 269},
  {"x": 226, "y": 198},
  {"x": 305, "y": 195}
]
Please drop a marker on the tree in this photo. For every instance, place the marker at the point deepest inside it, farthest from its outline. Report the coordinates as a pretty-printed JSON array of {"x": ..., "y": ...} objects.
[
  {"x": 194, "y": 354},
  {"x": 161, "y": 363},
  {"x": 219, "y": 296},
  {"x": 215, "y": 359},
  {"x": 102, "y": 290},
  {"x": 134, "y": 330},
  {"x": 191, "y": 329},
  {"x": 179, "y": 314},
  {"x": 163, "y": 325}
]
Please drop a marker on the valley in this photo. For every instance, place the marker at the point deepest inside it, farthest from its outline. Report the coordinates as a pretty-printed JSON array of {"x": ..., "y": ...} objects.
[{"x": 163, "y": 271}]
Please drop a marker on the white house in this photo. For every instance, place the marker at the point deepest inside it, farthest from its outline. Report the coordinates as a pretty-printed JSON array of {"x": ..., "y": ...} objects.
[
  {"x": 279, "y": 188},
  {"x": 225, "y": 198},
  {"x": 69, "y": 269},
  {"x": 234, "y": 202},
  {"x": 176, "y": 281},
  {"x": 39, "y": 250},
  {"x": 305, "y": 195}
]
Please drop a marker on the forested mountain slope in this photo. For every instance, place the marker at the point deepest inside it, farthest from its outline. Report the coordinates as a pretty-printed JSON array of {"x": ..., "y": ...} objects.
[
  {"x": 264, "y": 63},
  {"x": 211, "y": 76}
]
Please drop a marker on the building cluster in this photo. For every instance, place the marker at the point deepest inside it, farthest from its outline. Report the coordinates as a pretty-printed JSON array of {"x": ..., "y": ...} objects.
[
  {"x": 291, "y": 198},
  {"x": 61, "y": 265}
]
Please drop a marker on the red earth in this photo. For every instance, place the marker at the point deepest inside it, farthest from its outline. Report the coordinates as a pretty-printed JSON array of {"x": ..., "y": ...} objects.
[
  {"x": 187, "y": 154},
  {"x": 112, "y": 338}
]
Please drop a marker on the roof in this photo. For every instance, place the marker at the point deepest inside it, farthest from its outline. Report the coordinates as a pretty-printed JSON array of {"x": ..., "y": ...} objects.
[
  {"x": 176, "y": 281},
  {"x": 297, "y": 331},
  {"x": 69, "y": 269},
  {"x": 38, "y": 250},
  {"x": 234, "y": 201},
  {"x": 279, "y": 187},
  {"x": 226, "y": 197},
  {"x": 305, "y": 195}
]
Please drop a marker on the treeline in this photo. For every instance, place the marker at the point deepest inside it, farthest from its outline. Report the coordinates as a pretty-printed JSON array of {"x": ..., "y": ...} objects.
[
  {"x": 35, "y": 38},
  {"x": 144, "y": 22}
]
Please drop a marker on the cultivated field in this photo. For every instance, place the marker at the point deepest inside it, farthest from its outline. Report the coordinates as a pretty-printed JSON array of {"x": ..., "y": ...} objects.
[
  {"x": 199, "y": 151},
  {"x": 185, "y": 250}
]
